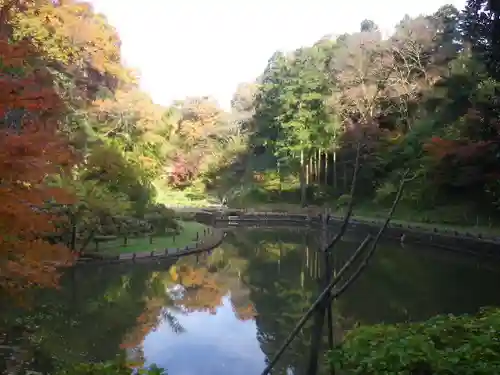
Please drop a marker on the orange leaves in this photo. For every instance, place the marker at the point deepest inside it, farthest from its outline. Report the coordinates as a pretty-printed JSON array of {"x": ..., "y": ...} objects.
[
  {"x": 13, "y": 55},
  {"x": 30, "y": 150},
  {"x": 259, "y": 177},
  {"x": 32, "y": 263},
  {"x": 132, "y": 106},
  {"x": 25, "y": 258},
  {"x": 23, "y": 86},
  {"x": 202, "y": 291},
  {"x": 200, "y": 117}
]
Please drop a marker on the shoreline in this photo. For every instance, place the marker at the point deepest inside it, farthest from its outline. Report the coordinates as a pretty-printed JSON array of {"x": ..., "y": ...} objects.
[
  {"x": 474, "y": 244},
  {"x": 213, "y": 239}
]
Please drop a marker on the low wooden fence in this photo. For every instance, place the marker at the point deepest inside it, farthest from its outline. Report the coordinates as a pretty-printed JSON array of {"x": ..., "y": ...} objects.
[{"x": 212, "y": 239}]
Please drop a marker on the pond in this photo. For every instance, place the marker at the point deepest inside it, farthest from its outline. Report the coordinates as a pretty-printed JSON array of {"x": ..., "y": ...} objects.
[{"x": 228, "y": 311}]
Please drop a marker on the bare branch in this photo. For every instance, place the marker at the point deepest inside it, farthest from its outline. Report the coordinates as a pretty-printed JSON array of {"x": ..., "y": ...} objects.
[
  {"x": 315, "y": 305},
  {"x": 375, "y": 77},
  {"x": 370, "y": 253}
]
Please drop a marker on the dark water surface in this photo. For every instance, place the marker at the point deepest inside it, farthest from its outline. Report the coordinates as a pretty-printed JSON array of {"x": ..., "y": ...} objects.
[{"x": 225, "y": 313}]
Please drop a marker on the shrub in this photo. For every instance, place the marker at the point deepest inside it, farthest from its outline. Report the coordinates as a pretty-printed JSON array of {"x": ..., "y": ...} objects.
[
  {"x": 117, "y": 367},
  {"x": 454, "y": 345}
]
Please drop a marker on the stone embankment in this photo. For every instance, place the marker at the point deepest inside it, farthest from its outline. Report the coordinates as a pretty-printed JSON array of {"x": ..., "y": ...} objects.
[
  {"x": 210, "y": 240},
  {"x": 463, "y": 241}
]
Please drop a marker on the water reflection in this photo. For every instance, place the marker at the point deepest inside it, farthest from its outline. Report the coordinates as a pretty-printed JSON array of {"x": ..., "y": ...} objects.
[
  {"x": 212, "y": 344},
  {"x": 226, "y": 312}
]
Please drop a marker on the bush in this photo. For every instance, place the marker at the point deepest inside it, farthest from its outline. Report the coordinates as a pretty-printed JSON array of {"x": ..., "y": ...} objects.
[
  {"x": 454, "y": 345},
  {"x": 117, "y": 367},
  {"x": 162, "y": 219}
]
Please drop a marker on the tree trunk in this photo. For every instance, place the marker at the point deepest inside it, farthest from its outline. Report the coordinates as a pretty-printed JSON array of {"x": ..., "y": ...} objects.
[
  {"x": 303, "y": 182},
  {"x": 335, "y": 177},
  {"x": 278, "y": 168},
  {"x": 345, "y": 177},
  {"x": 325, "y": 167},
  {"x": 309, "y": 171},
  {"x": 318, "y": 167}
]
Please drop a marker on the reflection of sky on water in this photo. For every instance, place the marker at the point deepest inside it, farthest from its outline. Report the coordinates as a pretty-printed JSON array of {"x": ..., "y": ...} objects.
[{"x": 212, "y": 345}]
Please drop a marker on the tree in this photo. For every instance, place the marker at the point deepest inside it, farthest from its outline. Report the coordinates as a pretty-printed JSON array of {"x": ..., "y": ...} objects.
[
  {"x": 200, "y": 119},
  {"x": 30, "y": 150},
  {"x": 368, "y": 26},
  {"x": 481, "y": 26},
  {"x": 75, "y": 41},
  {"x": 290, "y": 115},
  {"x": 360, "y": 70},
  {"x": 243, "y": 106}
]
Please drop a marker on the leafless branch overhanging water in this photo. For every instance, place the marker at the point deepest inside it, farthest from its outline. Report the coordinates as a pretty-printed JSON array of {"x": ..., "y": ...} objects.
[
  {"x": 370, "y": 253},
  {"x": 327, "y": 292},
  {"x": 315, "y": 304}
]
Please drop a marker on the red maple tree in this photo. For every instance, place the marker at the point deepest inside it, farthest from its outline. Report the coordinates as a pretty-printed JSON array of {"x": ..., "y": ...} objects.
[{"x": 31, "y": 149}]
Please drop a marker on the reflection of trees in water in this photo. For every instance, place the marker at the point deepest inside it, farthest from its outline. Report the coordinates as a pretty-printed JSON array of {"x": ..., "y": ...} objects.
[
  {"x": 101, "y": 311},
  {"x": 89, "y": 317},
  {"x": 159, "y": 307},
  {"x": 283, "y": 270},
  {"x": 202, "y": 289},
  {"x": 415, "y": 284},
  {"x": 270, "y": 276}
]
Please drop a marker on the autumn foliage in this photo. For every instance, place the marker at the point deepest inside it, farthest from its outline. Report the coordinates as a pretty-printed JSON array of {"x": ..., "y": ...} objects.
[{"x": 30, "y": 150}]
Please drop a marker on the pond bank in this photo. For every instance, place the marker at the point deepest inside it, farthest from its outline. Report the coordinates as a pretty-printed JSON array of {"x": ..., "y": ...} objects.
[
  {"x": 211, "y": 238},
  {"x": 468, "y": 242},
  {"x": 190, "y": 231}
]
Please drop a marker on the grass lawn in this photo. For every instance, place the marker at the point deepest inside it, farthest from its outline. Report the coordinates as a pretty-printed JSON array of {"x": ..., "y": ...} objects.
[
  {"x": 181, "y": 198},
  {"x": 447, "y": 220},
  {"x": 489, "y": 231},
  {"x": 140, "y": 244}
]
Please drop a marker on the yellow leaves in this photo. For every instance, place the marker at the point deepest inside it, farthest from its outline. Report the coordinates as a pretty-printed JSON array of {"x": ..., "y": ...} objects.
[
  {"x": 173, "y": 273},
  {"x": 395, "y": 137},
  {"x": 200, "y": 117},
  {"x": 131, "y": 104},
  {"x": 72, "y": 34}
]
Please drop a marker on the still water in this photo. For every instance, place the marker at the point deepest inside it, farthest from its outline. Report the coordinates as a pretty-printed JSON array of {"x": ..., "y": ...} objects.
[{"x": 228, "y": 311}]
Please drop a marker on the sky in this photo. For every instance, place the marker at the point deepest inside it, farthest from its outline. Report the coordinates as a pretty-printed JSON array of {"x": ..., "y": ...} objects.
[
  {"x": 200, "y": 47},
  {"x": 211, "y": 345}
]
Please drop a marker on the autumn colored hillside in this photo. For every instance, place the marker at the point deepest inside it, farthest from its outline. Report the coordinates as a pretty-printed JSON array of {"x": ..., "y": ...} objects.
[{"x": 80, "y": 144}]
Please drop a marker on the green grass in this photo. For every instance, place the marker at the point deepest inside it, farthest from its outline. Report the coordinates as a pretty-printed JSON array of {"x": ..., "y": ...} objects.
[
  {"x": 188, "y": 197},
  {"x": 425, "y": 220},
  {"x": 141, "y": 244},
  {"x": 473, "y": 229},
  {"x": 445, "y": 218}
]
